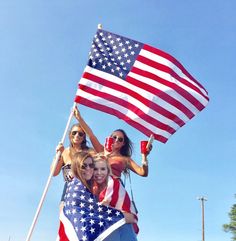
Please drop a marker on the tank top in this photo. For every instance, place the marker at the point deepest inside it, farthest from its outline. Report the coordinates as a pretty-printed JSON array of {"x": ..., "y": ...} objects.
[{"x": 117, "y": 166}]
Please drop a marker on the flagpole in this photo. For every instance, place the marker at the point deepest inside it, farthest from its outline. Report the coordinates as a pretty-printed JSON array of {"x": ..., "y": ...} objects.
[{"x": 54, "y": 164}]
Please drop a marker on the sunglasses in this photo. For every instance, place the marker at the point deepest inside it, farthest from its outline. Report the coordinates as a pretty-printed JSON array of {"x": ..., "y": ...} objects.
[
  {"x": 80, "y": 133},
  {"x": 85, "y": 165},
  {"x": 120, "y": 139}
]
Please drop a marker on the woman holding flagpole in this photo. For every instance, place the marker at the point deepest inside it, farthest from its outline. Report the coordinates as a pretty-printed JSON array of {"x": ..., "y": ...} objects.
[
  {"x": 120, "y": 157},
  {"x": 78, "y": 143}
]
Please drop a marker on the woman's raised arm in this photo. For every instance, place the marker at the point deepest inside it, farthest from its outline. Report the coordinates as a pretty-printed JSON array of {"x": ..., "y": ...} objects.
[{"x": 95, "y": 142}]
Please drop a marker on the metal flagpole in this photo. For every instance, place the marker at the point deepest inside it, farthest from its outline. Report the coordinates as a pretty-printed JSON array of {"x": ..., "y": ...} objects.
[{"x": 49, "y": 178}]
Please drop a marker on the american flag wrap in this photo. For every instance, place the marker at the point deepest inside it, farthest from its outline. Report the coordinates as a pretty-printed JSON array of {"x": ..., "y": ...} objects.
[
  {"x": 140, "y": 84},
  {"x": 83, "y": 218},
  {"x": 116, "y": 196}
]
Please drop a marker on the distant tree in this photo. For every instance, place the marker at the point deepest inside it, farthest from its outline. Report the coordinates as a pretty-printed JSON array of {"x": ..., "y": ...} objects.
[{"x": 231, "y": 227}]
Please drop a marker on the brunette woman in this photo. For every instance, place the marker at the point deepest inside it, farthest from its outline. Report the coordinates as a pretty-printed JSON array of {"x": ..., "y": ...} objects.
[
  {"x": 78, "y": 143},
  {"x": 120, "y": 158}
]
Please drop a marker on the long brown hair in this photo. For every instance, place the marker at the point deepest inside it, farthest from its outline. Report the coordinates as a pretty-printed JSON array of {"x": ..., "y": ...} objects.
[
  {"x": 127, "y": 148},
  {"x": 76, "y": 167},
  {"x": 84, "y": 142}
]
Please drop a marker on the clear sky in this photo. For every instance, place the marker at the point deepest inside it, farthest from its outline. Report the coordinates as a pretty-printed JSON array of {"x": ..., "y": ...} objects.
[{"x": 44, "y": 48}]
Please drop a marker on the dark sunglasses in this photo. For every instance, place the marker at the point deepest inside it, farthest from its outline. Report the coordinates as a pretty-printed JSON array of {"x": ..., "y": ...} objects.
[
  {"x": 80, "y": 133},
  {"x": 85, "y": 165},
  {"x": 120, "y": 139}
]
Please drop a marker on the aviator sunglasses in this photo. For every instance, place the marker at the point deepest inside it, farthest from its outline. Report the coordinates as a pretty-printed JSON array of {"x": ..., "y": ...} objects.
[
  {"x": 80, "y": 133},
  {"x": 85, "y": 165},
  {"x": 120, "y": 139}
]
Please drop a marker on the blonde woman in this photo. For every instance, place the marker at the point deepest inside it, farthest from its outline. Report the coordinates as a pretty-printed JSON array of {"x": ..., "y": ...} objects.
[
  {"x": 82, "y": 217},
  {"x": 111, "y": 192}
]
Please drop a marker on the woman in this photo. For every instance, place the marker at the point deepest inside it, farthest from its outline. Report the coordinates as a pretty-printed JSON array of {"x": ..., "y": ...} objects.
[
  {"x": 78, "y": 143},
  {"x": 82, "y": 218},
  {"x": 111, "y": 192},
  {"x": 120, "y": 158}
]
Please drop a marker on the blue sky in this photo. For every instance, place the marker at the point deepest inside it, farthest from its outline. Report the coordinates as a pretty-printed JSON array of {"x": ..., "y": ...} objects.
[{"x": 44, "y": 48}]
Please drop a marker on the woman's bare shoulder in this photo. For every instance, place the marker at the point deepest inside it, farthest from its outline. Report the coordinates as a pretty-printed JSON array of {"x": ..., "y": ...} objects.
[{"x": 66, "y": 155}]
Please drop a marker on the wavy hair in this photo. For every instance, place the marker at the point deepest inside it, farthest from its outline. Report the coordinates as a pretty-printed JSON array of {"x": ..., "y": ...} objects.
[
  {"x": 84, "y": 142},
  {"x": 76, "y": 167},
  {"x": 127, "y": 148}
]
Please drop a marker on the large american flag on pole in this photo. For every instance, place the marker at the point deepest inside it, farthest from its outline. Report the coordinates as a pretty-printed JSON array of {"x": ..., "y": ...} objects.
[
  {"x": 83, "y": 218},
  {"x": 140, "y": 84}
]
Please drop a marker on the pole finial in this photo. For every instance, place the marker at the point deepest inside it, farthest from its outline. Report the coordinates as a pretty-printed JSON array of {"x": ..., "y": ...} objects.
[{"x": 99, "y": 26}]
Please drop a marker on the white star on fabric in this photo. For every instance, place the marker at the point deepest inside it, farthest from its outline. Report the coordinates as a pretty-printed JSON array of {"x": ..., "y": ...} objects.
[
  {"x": 83, "y": 229},
  {"x": 117, "y": 213},
  {"x": 99, "y": 209},
  {"x": 82, "y": 205},
  {"x": 82, "y": 220},
  {"x": 100, "y": 223},
  {"x": 84, "y": 238},
  {"x": 92, "y": 221},
  {"x": 109, "y": 211},
  {"x": 82, "y": 212},
  {"x": 82, "y": 197}
]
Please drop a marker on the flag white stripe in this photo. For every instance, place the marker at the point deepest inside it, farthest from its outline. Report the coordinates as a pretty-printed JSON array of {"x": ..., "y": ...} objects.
[
  {"x": 121, "y": 198},
  {"x": 166, "y": 62},
  {"x": 68, "y": 227},
  {"x": 146, "y": 94},
  {"x": 171, "y": 92},
  {"x": 148, "y": 111},
  {"x": 170, "y": 78},
  {"x": 124, "y": 111},
  {"x": 109, "y": 191}
]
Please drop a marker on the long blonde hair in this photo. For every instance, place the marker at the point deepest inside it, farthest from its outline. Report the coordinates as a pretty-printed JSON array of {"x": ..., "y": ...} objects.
[{"x": 96, "y": 189}]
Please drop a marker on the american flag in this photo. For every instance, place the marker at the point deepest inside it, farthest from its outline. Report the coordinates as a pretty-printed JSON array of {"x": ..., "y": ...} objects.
[
  {"x": 83, "y": 218},
  {"x": 116, "y": 196},
  {"x": 144, "y": 86}
]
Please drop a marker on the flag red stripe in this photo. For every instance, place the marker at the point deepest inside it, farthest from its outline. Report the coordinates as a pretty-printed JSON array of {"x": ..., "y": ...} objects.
[
  {"x": 175, "y": 62},
  {"x": 144, "y": 86},
  {"x": 126, "y": 104},
  {"x": 115, "y": 194},
  {"x": 126, "y": 203},
  {"x": 62, "y": 233},
  {"x": 169, "y": 99},
  {"x": 111, "y": 111},
  {"x": 147, "y": 102},
  {"x": 198, "y": 105},
  {"x": 170, "y": 71},
  {"x": 129, "y": 106}
]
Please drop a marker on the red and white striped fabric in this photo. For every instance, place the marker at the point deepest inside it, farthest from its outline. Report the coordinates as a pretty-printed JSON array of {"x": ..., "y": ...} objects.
[
  {"x": 116, "y": 196},
  {"x": 144, "y": 86}
]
